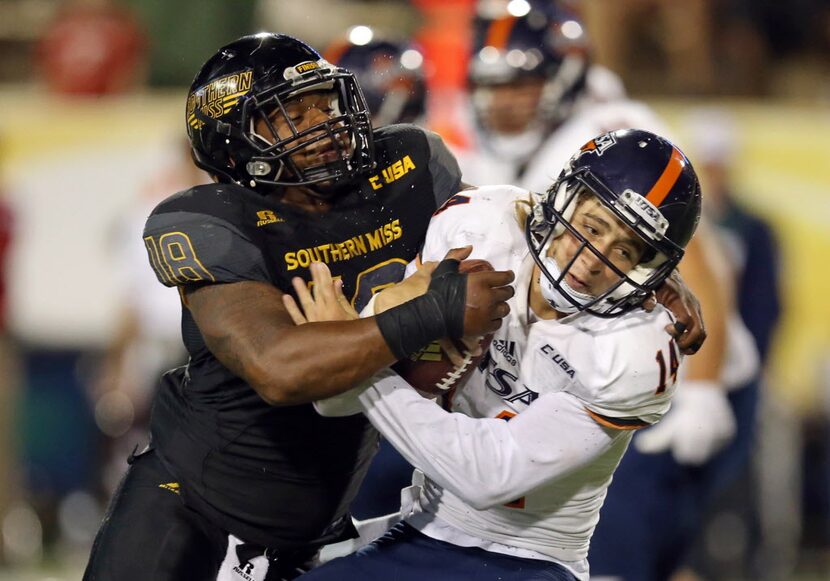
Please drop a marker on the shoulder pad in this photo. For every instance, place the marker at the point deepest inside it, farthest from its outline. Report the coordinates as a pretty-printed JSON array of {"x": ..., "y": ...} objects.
[{"x": 198, "y": 236}]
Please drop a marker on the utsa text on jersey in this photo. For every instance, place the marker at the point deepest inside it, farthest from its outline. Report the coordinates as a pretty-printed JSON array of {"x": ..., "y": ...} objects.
[{"x": 337, "y": 251}]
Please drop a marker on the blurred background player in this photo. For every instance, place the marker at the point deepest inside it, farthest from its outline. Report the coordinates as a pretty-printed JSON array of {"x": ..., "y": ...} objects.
[
  {"x": 390, "y": 73},
  {"x": 729, "y": 489},
  {"x": 534, "y": 96}
]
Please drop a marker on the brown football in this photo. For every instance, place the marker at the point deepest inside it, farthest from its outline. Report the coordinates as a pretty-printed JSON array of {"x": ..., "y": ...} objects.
[{"x": 430, "y": 371}]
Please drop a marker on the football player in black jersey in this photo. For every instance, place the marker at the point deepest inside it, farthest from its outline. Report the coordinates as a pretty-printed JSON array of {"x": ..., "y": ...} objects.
[
  {"x": 242, "y": 479},
  {"x": 241, "y": 472}
]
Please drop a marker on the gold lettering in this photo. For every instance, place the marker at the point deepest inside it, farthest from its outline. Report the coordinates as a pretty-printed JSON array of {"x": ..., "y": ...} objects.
[
  {"x": 397, "y": 169},
  {"x": 246, "y": 79},
  {"x": 374, "y": 240},
  {"x": 347, "y": 249},
  {"x": 350, "y": 245},
  {"x": 344, "y": 252},
  {"x": 374, "y": 183},
  {"x": 324, "y": 251},
  {"x": 361, "y": 245},
  {"x": 407, "y": 164}
]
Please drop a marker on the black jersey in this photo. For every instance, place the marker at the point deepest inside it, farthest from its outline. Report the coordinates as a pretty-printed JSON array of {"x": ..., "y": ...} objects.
[{"x": 283, "y": 476}]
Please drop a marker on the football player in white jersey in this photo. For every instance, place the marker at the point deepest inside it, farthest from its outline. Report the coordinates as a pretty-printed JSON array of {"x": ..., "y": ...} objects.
[
  {"x": 517, "y": 467},
  {"x": 534, "y": 97}
]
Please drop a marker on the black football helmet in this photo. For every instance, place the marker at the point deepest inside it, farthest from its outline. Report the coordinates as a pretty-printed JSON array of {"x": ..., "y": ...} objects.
[
  {"x": 649, "y": 185},
  {"x": 544, "y": 41},
  {"x": 390, "y": 74},
  {"x": 246, "y": 81}
]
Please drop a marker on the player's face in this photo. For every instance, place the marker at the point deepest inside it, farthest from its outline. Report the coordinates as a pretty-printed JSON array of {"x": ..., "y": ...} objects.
[
  {"x": 302, "y": 113},
  {"x": 511, "y": 107},
  {"x": 620, "y": 245}
]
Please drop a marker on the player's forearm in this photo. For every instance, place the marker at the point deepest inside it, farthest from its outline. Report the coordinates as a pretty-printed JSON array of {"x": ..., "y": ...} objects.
[
  {"x": 485, "y": 462},
  {"x": 247, "y": 329},
  {"x": 318, "y": 360}
]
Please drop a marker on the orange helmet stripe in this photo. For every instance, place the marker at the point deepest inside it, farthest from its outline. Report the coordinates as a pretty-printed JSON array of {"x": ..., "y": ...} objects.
[
  {"x": 499, "y": 32},
  {"x": 667, "y": 179}
]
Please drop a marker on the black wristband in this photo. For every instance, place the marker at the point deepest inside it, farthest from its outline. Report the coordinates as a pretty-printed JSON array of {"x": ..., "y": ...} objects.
[
  {"x": 451, "y": 288},
  {"x": 410, "y": 327}
]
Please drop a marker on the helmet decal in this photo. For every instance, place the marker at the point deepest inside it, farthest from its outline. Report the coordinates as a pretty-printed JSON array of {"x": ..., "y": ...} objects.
[
  {"x": 302, "y": 68},
  {"x": 598, "y": 145},
  {"x": 218, "y": 97}
]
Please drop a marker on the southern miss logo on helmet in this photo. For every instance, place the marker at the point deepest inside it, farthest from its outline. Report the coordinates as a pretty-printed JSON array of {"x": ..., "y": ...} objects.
[
  {"x": 218, "y": 97},
  {"x": 599, "y": 145}
]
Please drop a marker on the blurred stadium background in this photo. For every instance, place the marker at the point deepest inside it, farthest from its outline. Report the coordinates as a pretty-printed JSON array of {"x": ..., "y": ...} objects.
[{"x": 92, "y": 99}]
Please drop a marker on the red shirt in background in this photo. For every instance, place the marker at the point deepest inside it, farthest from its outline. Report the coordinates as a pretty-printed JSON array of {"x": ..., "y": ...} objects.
[{"x": 92, "y": 50}]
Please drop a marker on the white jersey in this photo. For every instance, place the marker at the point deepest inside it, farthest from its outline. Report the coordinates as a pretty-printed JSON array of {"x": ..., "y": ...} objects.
[
  {"x": 595, "y": 112},
  {"x": 603, "y": 107},
  {"x": 577, "y": 386}
]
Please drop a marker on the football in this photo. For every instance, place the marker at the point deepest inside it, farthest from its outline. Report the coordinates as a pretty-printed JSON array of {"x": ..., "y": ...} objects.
[{"x": 430, "y": 371}]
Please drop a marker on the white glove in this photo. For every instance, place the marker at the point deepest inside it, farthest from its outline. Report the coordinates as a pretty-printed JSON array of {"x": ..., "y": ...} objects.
[{"x": 698, "y": 425}]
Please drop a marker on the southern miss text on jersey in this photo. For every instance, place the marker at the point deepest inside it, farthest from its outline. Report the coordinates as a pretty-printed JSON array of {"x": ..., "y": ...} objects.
[
  {"x": 245, "y": 464},
  {"x": 611, "y": 367}
]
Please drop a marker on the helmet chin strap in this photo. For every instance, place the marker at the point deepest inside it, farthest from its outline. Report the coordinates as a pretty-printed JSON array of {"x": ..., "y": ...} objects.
[{"x": 556, "y": 297}]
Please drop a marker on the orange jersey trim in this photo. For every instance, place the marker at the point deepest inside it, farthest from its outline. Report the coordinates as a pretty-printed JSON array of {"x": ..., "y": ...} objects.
[
  {"x": 667, "y": 179},
  {"x": 617, "y": 423}
]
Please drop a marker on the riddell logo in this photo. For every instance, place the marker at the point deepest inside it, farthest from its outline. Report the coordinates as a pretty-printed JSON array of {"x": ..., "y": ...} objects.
[{"x": 599, "y": 145}]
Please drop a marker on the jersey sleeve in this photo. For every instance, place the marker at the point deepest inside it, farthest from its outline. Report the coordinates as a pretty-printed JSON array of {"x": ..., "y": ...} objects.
[
  {"x": 623, "y": 370},
  {"x": 186, "y": 245},
  {"x": 487, "y": 461},
  {"x": 446, "y": 175}
]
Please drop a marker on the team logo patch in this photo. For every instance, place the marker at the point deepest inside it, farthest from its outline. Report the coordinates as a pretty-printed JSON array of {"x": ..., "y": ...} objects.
[
  {"x": 599, "y": 145},
  {"x": 218, "y": 97},
  {"x": 267, "y": 217},
  {"x": 171, "y": 486}
]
